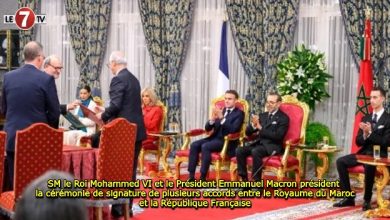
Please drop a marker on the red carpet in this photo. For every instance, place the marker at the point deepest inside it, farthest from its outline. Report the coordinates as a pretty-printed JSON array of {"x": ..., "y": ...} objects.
[{"x": 262, "y": 208}]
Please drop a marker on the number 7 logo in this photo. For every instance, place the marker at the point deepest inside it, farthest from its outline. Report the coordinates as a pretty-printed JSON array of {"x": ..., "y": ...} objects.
[{"x": 25, "y": 18}]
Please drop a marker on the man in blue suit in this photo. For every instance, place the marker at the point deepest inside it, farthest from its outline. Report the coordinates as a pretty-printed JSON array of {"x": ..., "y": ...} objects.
[
  {"x": 29, "y": 96},
  {"x": 223, "y": 122},
  {"x": 125, "y": 102}
]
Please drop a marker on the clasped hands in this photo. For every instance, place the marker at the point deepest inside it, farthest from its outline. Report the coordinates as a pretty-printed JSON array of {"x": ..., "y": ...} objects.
[
  {"x": 366, "y": 128},
  {"x": 216, "y": 113},
  {"x": 255, "y": 121}
]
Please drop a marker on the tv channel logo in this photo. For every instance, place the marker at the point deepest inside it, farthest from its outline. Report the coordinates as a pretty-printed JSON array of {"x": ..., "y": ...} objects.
[{"x": 25, "y": 18}]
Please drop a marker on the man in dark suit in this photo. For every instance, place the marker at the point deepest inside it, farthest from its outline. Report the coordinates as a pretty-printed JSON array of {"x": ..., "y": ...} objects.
[
  {"x": 29, "y": 96},
  {"x": 374, "y": 129},
  {"x": 270, "y": 128},
  {"x": 52, "y": 65},
  {"x": 125, "y": 102},
  {"x": 223, "y": 122}
]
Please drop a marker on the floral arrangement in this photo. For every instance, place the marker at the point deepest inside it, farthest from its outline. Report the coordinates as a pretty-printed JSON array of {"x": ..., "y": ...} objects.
[{"x": 303, "y": 73}]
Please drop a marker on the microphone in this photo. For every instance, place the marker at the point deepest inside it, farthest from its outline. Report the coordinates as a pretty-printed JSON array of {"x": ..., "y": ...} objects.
[{"x": 261, "y": 167}]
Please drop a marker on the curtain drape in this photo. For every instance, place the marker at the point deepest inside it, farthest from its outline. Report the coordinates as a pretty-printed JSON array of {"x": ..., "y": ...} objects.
[
  {"x": 28, "y": 35},
  {"x": 353, "y": 13},
  {"x": 262, "y": 32},
  {"x": 88, "y": 27},
  {"x": 167, "y": 26}
]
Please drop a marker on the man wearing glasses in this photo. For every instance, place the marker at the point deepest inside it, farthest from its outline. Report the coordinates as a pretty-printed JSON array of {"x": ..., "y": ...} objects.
[
  {"x": 270, "y": 128},
  {"x": 52, "y": 65}
]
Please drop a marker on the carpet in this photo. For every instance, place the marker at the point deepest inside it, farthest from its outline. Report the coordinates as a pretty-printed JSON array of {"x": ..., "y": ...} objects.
[{"x": 262, "y": 208}]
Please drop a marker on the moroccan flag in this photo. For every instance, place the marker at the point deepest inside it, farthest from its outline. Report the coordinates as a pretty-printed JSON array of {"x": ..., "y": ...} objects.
[
  {"x": 365, "y": 83},
  {"x": 223, "y": 73}
]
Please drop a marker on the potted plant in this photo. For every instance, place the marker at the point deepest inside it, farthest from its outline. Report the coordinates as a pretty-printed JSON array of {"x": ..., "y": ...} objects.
[
  {"x": 303, "y": 73},
  {"x": 315, "y": 132}
]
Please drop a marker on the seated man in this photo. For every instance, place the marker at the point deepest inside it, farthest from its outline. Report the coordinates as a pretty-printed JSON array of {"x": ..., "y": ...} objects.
[
  {"x": 374, "y": 129},
  {"x": 270, "y": 128},
  {"x": 223, "y": 122}
]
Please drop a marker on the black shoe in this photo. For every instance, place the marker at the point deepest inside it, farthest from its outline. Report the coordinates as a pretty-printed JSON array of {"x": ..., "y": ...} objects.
[
  {"x": 366, "y": 205},
  {"x": 191, "y": 179},
  {"x": 345, "y": 202},
  {"x": 116, "y": 211}
]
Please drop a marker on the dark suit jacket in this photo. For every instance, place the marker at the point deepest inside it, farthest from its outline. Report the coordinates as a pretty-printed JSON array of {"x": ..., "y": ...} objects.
[
  {"x": 380, "y": 135},
  {"x": 232, "y": 124},
  {"x": 125, "y": 101},
  {"x": 272, "y": 133},
  {"x": 29, "y": 96}
]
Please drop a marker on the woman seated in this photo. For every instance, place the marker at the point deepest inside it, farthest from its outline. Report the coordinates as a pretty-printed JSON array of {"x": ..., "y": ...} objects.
[
  {"x": 153, "y": 114},
  {"x": 73, "y": 137}
]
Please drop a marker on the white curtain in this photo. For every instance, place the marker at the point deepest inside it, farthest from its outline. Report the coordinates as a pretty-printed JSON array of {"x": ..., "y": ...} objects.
[{"x": 320, "y": 26}]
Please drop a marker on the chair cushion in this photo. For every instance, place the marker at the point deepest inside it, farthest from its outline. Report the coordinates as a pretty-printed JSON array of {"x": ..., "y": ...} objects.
[
  {"x": 249, "y": 160},
  {"x": 7, "y": 200},
  {"x": 183, "y": 153},
  {"x": 149, "y": 145},
  {"x": 356, "y": 169},
  {"x": 217, "y": 156},
  {"x": 276, "y": 161}
]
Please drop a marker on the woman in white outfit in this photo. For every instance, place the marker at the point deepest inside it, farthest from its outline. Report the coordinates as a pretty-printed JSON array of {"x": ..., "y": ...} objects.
[{"x": 73, "y": 137}]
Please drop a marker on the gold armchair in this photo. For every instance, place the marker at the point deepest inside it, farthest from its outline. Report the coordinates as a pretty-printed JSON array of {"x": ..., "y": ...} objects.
[
  {"x": 281, "y": 164},
  {"x": 217, "y": 158},
  {"x": 153, "y": 147}
]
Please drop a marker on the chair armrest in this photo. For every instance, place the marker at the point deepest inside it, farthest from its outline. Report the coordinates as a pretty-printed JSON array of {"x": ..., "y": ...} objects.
[
  {"x": 187, "y": 137},
  {"x": 286, "y": 154},
  {"x": 227, "y": 138}
]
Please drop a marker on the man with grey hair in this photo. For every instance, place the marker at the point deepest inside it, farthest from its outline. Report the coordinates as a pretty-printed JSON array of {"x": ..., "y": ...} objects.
[
  {"x": 52, "y": 65},
  {"x": 125, "y": 102},
  {"x": 29, "y": 96}
]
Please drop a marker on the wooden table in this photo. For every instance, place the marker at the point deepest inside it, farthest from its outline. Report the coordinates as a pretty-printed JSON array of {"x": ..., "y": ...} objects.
[
  {"x": 381, "y": 165},
  {"x": 166, "y": 137},
  {"x": 322, "y": 154}
]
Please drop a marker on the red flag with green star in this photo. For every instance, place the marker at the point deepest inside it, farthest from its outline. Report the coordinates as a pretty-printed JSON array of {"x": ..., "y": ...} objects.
[{"x": 365, "y": 83}]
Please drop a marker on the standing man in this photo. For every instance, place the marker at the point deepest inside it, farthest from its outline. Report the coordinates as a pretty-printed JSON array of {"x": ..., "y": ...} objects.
[
  {"x": 270, "y": 128},
  {"x": 52, "y": 65},
  {"x": 374, "y": 129},
  {"x": 223, "y": 122},
  {"x": 29, "y": 96},
  {"x": 125, "y": 102}
]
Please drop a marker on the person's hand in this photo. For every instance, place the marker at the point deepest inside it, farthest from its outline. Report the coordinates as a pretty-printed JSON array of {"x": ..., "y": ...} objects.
[
  {"x": 99, "y": 109},
  {"x": 73, "y": 105},
  {"x": 366, "y": 127},
  {"x": 99, "y": 115},
  {"x": 255, "y": 120}
]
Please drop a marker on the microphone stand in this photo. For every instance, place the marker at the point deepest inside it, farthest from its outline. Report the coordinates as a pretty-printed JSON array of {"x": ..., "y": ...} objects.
[{"x": 262, "y": 166}]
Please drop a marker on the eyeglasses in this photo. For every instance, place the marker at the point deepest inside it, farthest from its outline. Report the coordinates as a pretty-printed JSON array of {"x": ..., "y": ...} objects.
[
  {"x": 56, "y": 67},
  {"x": 272, "y": 102}
]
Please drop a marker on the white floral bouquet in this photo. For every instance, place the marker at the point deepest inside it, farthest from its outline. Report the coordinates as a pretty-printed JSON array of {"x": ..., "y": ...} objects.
[{"x": 303, "y": 73}]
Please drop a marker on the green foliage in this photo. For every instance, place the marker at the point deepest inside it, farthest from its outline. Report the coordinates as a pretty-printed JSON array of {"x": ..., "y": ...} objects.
[
  {"x": 315, "y": 132},
  {"x": 303, "y": 72}
]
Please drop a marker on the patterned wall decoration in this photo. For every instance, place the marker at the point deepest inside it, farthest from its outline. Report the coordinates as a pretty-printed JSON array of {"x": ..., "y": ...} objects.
[
  {"x": 353, "y": 13},
  {"x": 167, "y": 25},
  {"x": 263, "y": 31},
  {"x": 27, "y": 35},
  {"x": 88, "y": 27}
]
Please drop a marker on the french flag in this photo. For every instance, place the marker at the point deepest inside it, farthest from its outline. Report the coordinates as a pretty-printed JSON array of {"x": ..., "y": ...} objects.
[{"x": 223, "y": 73}]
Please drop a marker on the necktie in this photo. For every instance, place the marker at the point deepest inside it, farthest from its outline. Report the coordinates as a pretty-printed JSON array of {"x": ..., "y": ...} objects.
[
  {"x": 228, "y": 112},
  {"x": 270, "y": 117},
  {"x": 374, "y": 120}
]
